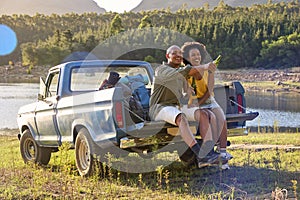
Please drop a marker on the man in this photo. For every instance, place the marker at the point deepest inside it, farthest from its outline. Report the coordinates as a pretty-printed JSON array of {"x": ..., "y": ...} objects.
[{"x": 167, "y": 99}]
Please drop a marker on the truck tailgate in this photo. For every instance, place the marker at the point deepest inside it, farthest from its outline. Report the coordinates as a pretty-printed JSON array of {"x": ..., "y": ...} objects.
[{"x": 241, "y": 117}]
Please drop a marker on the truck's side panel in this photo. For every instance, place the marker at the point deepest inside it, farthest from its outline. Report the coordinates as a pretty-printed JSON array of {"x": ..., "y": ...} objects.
[{"x": 92, "y": 110}]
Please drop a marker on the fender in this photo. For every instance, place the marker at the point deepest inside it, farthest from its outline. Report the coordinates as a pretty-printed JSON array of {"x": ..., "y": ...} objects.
[{"x": 97, "y": 137}]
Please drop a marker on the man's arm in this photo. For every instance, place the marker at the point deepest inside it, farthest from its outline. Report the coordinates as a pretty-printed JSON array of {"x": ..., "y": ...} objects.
[{"x": 197, "y": 71}]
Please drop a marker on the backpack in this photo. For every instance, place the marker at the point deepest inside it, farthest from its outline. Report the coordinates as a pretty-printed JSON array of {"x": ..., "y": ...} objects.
[
  {"x": 136, "y": 110},
  {"x": 139, "y": 101}
]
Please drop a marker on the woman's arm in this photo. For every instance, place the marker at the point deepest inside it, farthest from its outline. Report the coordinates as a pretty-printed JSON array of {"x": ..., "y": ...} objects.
[
  {"x": 197, "y": 71},
  {"x": 210, "y": 82}
]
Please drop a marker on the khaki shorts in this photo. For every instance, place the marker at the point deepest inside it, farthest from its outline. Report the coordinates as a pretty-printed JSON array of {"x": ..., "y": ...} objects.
[
  {"x": 169, "y": 114},
  {"x": 189, "y": 112}
]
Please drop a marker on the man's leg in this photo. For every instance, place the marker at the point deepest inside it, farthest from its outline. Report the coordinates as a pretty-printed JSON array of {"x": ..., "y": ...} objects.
[
  {"x": 202, "y": 151},
  {"x": 185, "y": 130}
]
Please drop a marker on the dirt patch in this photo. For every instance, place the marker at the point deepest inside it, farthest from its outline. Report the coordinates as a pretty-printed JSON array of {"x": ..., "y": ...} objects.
[
  {"x": 292, "y": 75},
  {"x": 22, "y": 74},
  {"x": 286, "y": 81},
  {"x": 9, "y": 132}
]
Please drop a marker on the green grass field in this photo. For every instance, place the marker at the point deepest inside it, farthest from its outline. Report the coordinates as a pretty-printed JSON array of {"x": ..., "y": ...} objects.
[{"x": 254, "y": 174}]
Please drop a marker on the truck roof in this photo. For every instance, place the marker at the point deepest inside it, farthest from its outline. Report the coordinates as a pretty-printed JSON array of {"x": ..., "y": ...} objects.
[{"x": 99, "y": 63}]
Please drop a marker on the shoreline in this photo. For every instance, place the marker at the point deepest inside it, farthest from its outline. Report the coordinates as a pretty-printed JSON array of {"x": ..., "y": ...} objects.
[
  {"x": 9, "y": 132},
  {"x": 280, "y": 80}
]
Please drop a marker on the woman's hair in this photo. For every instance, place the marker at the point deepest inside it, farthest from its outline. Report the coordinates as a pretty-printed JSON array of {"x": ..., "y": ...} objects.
[{"x": 187, "y": 46}]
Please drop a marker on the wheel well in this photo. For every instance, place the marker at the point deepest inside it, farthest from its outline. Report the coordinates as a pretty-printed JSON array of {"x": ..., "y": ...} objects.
[
  {"x": 75, "y": 132},
  {"x": 22, "y": 130}
]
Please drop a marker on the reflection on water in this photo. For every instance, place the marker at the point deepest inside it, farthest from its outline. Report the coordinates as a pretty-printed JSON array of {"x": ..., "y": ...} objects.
[
  {"x": 12, "y": 97},
  {"x": 275, "y": 118},
  {"x": 280, "y": 109},
  {"x": 273, "y": 101}
]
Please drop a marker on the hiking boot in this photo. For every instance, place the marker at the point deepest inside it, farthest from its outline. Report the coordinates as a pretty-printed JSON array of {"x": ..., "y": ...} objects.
[
  {"x": 208, "y": 160},
  {"x": 225, "y": 166},
  {"x": 226, "y": 156}
]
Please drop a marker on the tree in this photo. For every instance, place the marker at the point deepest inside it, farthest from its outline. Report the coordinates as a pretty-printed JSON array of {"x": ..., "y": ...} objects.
[
  {"x": 149, "y": 59},
  {"x": 67, "y": 39},
  {"x": 284, "y": 52},
  {"x": 145, "y": 22},
  {"x": 116, "y": 25},
  {"x": 29, "y": 54}
]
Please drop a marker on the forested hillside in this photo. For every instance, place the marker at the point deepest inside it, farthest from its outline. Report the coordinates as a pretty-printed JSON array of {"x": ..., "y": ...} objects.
[
  {"x": 174, "y": 5},
  {"x": 265, "y": 35},
  {"x": 31, "y": 7}
]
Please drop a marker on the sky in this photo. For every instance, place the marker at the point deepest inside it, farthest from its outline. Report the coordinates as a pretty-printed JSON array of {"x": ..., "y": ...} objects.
[{"x": 118, "y": 5}]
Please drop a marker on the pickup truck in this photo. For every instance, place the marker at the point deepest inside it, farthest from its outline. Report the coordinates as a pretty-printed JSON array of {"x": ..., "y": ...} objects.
[{"x": 71, "y": 108}]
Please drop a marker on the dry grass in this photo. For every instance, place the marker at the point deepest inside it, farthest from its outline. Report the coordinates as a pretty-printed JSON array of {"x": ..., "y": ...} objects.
[{"x": 264, "y": 174}]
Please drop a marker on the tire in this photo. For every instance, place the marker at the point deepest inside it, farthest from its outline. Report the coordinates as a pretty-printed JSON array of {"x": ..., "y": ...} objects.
[
  {"x": 32, "y": 152},
  {"x": 85, "y": 149}
]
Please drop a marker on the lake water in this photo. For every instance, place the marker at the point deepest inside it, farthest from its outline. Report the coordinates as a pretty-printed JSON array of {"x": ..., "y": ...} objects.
[
  {"x": 280, "y": 109},
  {"x": 12, "y": 97}
]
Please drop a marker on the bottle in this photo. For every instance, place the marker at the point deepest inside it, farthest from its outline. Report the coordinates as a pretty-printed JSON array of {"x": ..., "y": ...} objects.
[{"x": 217, "y": 60}]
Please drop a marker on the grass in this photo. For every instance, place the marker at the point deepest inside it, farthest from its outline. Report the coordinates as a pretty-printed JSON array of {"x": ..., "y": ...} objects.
[
  {"x": 268, "y": 138},
  {"x": 254, "y": 174}
]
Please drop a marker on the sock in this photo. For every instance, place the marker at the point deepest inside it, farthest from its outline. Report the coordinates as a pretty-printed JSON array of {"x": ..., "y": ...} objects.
[
  {"x": 222, "y": 150},
  {"x": 196, "y": 149},
  {"x": 206, "y": 147}
]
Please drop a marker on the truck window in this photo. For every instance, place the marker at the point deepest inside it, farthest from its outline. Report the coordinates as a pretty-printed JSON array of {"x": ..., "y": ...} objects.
[
  {"x": 90, "y": 78},
  {"x": 52, "y": 85}
]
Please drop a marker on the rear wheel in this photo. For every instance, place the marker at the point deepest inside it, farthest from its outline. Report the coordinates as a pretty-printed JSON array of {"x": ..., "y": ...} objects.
[
  {"x": 85, "y": 149},
  {"x": 31, "y": 151}
]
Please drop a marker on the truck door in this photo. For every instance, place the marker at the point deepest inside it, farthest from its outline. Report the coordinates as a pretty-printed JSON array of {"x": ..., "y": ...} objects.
[{"x": 45, "y": 114}]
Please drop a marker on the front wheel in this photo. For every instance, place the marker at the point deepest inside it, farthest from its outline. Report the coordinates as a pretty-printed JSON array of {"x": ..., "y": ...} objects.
[
  {"x": 86, "y": 162},
  {"x": 31, "y": 151}
]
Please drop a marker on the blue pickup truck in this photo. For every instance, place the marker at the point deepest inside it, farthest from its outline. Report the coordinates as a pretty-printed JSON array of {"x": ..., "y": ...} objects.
[{"x": 71, "y": 108}]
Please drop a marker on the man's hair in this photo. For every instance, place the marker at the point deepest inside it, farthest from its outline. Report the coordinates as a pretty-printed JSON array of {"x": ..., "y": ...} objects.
[
  {"x": 187, "y": 46},
  {"x": 171, "y": 48}
]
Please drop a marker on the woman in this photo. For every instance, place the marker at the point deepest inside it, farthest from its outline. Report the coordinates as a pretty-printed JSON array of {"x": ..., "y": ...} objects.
[{"x": 212, "y": 116}]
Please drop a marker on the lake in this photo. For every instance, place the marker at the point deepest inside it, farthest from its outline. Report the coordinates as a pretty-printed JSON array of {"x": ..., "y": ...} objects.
[{"x": 283, "y": 110}]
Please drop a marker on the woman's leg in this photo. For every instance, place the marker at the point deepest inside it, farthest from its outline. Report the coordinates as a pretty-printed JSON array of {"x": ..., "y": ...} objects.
[
  {"x": 221, "y": 126},
  {"x": 203, "y": 117}
]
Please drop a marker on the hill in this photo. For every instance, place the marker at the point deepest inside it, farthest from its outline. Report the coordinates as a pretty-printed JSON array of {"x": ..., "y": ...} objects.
[
  {"x": 174, "y": 5},
  {"x": 31, "y": 7}
]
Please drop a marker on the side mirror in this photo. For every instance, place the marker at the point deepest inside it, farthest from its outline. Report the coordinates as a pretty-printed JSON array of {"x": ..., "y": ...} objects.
[{"x": 42, "y": 92}]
